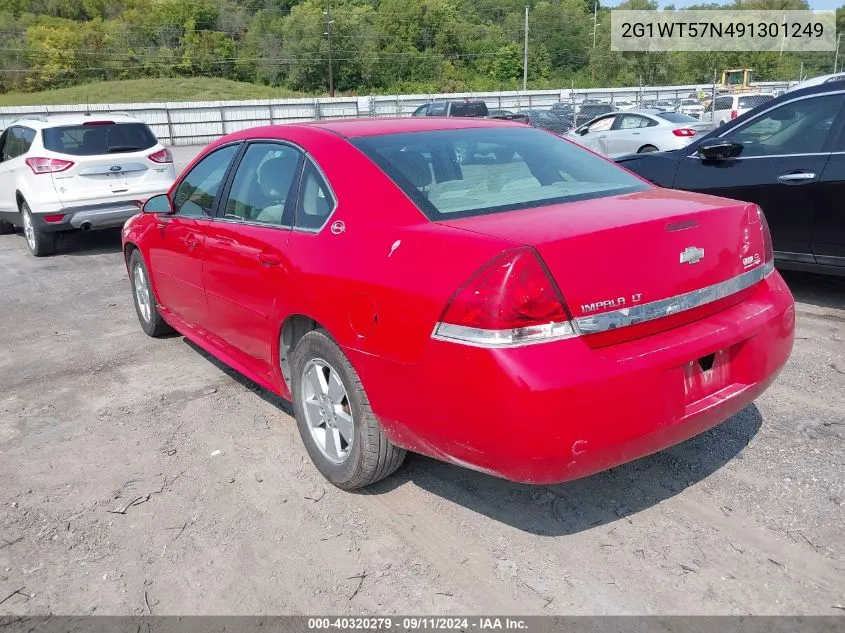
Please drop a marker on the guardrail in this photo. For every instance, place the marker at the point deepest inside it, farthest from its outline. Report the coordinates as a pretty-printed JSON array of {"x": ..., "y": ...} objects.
[{"x": 192, "y": 123}]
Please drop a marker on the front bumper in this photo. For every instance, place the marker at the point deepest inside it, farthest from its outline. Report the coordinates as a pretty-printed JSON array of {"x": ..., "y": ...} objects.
[{"x": 558, "y": 411}]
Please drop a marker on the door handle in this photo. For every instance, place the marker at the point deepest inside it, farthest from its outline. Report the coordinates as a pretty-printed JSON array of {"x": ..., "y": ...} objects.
[
  {"x": 269, "y": 259},
  {"x": 192, "y": 242},
  {"x": 801, "y": 176}
]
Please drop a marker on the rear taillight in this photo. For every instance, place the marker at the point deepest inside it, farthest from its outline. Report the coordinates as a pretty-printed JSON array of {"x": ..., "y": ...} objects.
[
  {"x": 734, "y": 114},
  {"x": 161, "y": 156},
  {"x": 684, "y": 131},
  {"x": 768, "y": 247},
  {"x": 48, "y": 165},
  {"x": 510, "y": 301}
]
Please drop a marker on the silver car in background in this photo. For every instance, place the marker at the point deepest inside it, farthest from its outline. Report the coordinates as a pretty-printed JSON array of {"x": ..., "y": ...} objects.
[{"x": 637, "y": 132}]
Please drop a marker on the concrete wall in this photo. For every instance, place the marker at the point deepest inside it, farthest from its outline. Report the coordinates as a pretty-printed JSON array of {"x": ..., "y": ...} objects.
[{"x": 192, "y": 123}]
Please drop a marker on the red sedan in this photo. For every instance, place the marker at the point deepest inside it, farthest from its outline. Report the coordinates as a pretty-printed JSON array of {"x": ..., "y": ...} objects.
[{"x": 532, "y": 310}]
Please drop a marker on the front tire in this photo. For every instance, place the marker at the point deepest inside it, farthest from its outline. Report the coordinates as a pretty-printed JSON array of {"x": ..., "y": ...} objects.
[
  {"x": 40, "y": 244},
  {"x": 337, "y": 425},
  {"x": 146, "y": 306}
]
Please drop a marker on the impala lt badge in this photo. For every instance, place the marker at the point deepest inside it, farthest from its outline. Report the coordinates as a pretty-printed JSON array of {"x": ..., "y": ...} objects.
[{"x": 692, "y": 255}]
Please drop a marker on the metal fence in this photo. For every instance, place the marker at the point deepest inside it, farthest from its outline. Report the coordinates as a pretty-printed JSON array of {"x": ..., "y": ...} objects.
[{"x": 192, "y": 123}]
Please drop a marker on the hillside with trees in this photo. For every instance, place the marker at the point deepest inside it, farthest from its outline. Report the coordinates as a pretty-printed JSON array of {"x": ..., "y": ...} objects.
[{"x": 376, "y": 46}]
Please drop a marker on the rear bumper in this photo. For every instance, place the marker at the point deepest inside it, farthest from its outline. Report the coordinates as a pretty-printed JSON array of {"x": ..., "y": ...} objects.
[
  {"x": 558, "y": 411},
  {"x": 104, "y": 216}
]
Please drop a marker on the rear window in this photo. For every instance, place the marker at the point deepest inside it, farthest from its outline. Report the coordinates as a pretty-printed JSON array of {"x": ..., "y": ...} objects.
[
  {"x": 595, "y": 110},
  {"x": 676, "y": 117},
  {"x": 746, "y": 103},
  {"x": 469, "y": 109},
  {"x": 99, "y": 138},
  {"x": 459, "y": 173}
]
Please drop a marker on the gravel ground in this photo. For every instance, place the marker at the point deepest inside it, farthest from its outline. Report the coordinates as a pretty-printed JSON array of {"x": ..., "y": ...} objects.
[{"x": 142, "y": 476}]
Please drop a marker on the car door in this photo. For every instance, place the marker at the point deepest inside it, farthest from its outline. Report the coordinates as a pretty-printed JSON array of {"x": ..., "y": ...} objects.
[
  {"x": 15, "y": 143},
  {"x": 784, "y": 151},
  {"x": 176, "y": 243},
  {"x": 593, "y": 135},
  {"x": 628, "y": 134},
  {"x": 245, "y": 267},
  {"x": 829, "y": 229}
]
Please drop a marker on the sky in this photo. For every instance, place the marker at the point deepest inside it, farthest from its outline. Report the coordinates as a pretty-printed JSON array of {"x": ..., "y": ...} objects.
[{"x": 818, "y": 5}]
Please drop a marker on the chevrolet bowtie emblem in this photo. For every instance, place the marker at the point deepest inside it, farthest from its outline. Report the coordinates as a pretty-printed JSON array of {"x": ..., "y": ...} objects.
[{"x": 692, "y": 255}]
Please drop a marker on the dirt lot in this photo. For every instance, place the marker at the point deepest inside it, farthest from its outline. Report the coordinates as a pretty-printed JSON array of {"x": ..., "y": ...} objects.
[{"x": 231, "y": 518}]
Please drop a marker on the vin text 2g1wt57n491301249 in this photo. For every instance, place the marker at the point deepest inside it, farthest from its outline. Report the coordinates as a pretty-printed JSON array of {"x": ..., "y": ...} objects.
[{"x": 530, "y": 310}]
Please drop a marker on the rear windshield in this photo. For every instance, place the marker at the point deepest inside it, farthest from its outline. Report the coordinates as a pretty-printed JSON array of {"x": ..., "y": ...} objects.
[
  {"x": 459, "y": 173},
  {"x": 99, "y": 138},
  {"x": 676, "y": 117},
  {"x": 595, "y": 110},
  {"x": 753, "y": 101},
  {"x": 469, "y": 109}
]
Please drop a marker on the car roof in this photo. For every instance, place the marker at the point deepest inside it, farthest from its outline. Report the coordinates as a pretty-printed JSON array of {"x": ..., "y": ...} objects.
[
  {"x": 54, "y": 120},
  {"x": 351, "y": 128}
]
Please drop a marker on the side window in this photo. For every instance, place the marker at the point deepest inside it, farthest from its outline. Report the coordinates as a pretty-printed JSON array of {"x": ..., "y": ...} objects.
[
  {"x": 315, "y": 202},
  {"x": 196, "y": 194},
  {"x": 631, "y": 121},
  {"x": 4, "y": 138},
  {"x": 799, "y": 127},
  {"x": 262, "y": 184},
  {"x": 602, "y": 125},
  {"x": 436, "y": 109},
  {"x": 17, "y": 142},
  {"x": 724, "y": 103},
  {"x": 421, "y": 110}
]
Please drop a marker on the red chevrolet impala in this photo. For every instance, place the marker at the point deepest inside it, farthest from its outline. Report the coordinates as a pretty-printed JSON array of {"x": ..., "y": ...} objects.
[{"x": 519, "y": 306}]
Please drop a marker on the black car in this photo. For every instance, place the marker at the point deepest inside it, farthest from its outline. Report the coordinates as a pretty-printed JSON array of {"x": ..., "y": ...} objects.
[
  {"x": 589, "y": 112},
  {"x": 786, "y": 155},
  {"x": 552, "y": 120}
]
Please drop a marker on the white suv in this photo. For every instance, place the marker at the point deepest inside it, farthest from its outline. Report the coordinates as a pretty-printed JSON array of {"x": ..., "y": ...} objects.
[
  {"x": 729, "y": 107},
  {"x": 77, "y": 171}
]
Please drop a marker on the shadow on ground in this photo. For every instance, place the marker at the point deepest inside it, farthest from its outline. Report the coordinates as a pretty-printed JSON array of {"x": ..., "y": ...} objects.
[
  {"x": 563, "y": 508},
  {"x": 823, "y": 291},
  {"x": 86, "y": 243}
]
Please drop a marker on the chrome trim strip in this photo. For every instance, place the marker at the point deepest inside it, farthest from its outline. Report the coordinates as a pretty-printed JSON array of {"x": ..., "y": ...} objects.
[
  {"x": 673, "y": 305},
  {"x": 498, "y": 339}
]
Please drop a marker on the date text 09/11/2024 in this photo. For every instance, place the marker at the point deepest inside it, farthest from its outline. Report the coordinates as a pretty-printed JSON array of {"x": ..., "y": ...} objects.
[{"x": 417, "y": 623}]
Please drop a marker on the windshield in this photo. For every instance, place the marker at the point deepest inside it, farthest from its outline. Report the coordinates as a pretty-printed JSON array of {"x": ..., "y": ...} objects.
[
  {"x": 676, "y": 117},
  {"x": 92, "y": 139},
  {"x": 458, "y": 173}
]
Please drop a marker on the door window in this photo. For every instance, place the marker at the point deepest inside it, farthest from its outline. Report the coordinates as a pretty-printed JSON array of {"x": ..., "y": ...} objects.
[
  {"x": 262, "y": 184},
  {"x": 799, "y": 127},
  {"x": 198, "y": 191},
  {"x": 316, "y": 202},
  {"x": 632, "y": 121},
  {"x": 724, "y": 103},
  {"x": 602, "y": 125}
]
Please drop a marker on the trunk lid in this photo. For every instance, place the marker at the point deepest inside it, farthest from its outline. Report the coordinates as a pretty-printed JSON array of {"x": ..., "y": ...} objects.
[{"x": 616, "y": 253}]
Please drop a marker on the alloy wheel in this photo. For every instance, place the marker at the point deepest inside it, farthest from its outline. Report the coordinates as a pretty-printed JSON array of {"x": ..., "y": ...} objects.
[{"x": 327, "y": 410}]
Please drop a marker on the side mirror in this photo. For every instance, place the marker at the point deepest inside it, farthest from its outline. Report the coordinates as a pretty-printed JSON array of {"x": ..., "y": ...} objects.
[
  {"x": 158, "y": 204},
  {"x": 719, "y": 149},
  {"x": 582, "y": 131}
]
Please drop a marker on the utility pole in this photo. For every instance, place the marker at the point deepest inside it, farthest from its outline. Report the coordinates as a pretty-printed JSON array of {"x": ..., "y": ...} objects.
[
  {"x": 836, "y": 55},
  {"x": 595, "y": 33},
  {"x": 525, "y": 55},
  {"x": 328, "y": 33}
]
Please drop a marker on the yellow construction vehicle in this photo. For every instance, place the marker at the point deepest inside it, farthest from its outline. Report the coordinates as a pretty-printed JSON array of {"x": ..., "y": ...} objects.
[{"x": 737, "y": 80}]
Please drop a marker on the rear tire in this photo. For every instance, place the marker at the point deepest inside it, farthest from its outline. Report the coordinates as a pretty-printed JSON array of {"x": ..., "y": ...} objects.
[
  {"x": 6, "y": 228},
  {"x": 40, "y": 244},
  {"x": 143, "y": 297},
  {"x": 331, "y": 409},
  {"x": 647, "y": 149}
]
